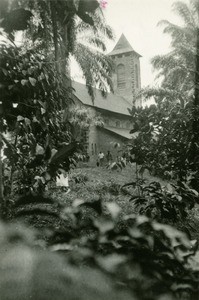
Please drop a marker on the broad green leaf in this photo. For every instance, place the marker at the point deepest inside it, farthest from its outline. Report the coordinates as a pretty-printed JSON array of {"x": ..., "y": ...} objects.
[
  {"x": 32, "y": 81},
  {"x": 20, "y": 118},
  {"x": 27, "y": 121},
  {"x": 104, "y": 225},
  {"x": 39, "y": 150},
  {"x": 35, "y": 119},
  {"x": 5, "y": 72},
  {"x": 77, "y": 202},
  {"x": 43, "y": 111},
  {"x": 111, "y": 262},
  {"x": 173, "y": 234},
  {"x": 114, "y": 209},
  {"x": 24, "y": 81}
]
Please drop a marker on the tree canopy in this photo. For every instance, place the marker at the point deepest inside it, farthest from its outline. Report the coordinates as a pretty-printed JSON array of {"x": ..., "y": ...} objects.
[{"x": 177, "y": 68}]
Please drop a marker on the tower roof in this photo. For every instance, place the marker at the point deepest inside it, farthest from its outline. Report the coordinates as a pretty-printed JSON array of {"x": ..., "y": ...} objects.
[{"x": 122, "y": 46}]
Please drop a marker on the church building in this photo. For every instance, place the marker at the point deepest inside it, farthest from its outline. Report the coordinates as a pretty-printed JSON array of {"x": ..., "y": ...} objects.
[{"x": 114, "y": 109}]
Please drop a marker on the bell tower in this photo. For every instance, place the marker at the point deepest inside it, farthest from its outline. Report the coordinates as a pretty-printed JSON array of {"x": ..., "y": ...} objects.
[{"x": 126, "y": 78}]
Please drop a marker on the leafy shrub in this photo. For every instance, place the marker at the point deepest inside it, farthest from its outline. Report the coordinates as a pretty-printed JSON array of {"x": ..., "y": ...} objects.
[
  {"x": 37, "y": 141},
  {"x": 37, "y": 211},
  {"x": 149, "y": 258},
  {"x": 165, "y": 203},
  {"x": 27, "y": 272},
  {"x": 163, "y": 139}
]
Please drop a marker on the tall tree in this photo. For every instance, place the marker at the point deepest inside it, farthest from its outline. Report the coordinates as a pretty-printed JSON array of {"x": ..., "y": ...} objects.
[
  {"x": 74, "y": 28},
  {"x": 37, "y": 78},
  {"x": 177, "y": 68}
]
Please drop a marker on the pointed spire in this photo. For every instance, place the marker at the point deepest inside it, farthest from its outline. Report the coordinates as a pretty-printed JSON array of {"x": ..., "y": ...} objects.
[{"x": 122, "y": 46}]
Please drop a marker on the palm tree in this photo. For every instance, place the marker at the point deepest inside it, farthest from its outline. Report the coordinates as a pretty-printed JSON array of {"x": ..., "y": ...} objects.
[
  {"x": 177, "y": 68},
  {"x": 62, "y": 31},
  {"x": 89, "y": 53}
]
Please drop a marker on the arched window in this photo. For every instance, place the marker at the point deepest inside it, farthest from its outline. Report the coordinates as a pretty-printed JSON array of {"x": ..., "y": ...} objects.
[
  {"x": 136, "y": 76},
  {"x": 92, "y": 149},
  {"x": 95, "y": 149},
  {"x": 121, "y": 76}
]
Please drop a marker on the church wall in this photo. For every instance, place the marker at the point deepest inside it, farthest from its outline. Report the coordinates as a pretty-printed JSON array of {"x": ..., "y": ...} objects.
[
  {"x": 137, "y": 79},
  {"x": 107, "y": 141},
  {"x": 102, "y": 140},
  {"x": 97, "y": 139},
  {"x": 92, "y": 138}
]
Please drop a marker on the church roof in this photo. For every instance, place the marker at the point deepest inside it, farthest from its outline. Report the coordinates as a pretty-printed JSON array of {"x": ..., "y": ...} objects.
[
  {"x": 123, "y": 46},
  {"x": 120, "y": 131},
  {"x": 112, "y": 102}
]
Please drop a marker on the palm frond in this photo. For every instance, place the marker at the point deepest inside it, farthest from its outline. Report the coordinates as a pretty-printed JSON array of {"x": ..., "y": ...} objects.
[
  {"x": 165, "y": 61},
  {"x": 194, "y": 5},
  {"x": 161, "y": 93},
  {"x": 96, "y": 42},
  {"x": 97, "y": 69},
  {"x": 100, "y": 27},
  {"x": 183, "y": 10},
  {"x": 178, "y": 34}
]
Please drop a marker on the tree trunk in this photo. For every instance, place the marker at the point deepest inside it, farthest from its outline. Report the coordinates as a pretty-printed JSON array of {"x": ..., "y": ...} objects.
[
  {"x": 12, "y": 169},
  {"x": 194, "y": 147},
  {"x": 55, "y": 31},
  {"x": 1, "y": 174},
  {"x": 1, "y": 164},
  {"x": 195, "y": 126}
]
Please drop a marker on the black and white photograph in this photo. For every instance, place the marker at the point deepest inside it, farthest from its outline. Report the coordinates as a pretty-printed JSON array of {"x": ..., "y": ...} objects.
[{"x": 99, "y": 149}]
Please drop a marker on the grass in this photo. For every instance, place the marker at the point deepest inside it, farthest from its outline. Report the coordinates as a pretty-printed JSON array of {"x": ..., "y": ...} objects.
[{"x": 92, "y": 183}]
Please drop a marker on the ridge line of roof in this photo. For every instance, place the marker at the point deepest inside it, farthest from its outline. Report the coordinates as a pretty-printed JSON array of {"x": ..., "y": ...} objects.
[{"x": 120, "y": 106}]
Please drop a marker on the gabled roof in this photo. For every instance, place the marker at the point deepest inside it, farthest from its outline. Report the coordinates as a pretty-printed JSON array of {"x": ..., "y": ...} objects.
[
  {"x": 123, "y": 46},
  {"x": 112, "y": 102}
]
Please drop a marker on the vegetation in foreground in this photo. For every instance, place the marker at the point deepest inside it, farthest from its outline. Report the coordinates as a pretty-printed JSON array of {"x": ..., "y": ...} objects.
[
  {"x": 97, "y": 225},
  {"x": 109, "y": 235}
]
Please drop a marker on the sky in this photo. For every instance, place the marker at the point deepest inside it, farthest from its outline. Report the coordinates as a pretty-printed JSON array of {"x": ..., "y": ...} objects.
[{"x": 138, "y": 20}]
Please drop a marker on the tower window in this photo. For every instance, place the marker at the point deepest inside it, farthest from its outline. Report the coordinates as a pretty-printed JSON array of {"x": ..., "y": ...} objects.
[
  {"x": 121, "y": 76},
  {"x": 136, "y": 76}
]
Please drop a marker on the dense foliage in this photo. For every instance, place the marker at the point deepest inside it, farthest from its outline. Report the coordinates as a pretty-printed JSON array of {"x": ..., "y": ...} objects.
[
  {"x": 176, "y": 69},
  {"x": 167, "y": 140},
  {"x": 27, "y": 271},
  {"x": 148, "y": 259},
  {"x": 32, "y": 110},
  {"x": 105, "y": 253},
  {"x": 36, "y": 88},
  {"x": 164, "y": 139}
]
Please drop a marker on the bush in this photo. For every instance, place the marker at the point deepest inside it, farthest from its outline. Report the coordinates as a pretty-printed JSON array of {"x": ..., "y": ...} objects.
[
  {"x": 26, "y": 272},
  {"x": 147, "y": 257}
]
